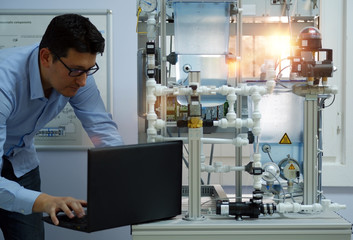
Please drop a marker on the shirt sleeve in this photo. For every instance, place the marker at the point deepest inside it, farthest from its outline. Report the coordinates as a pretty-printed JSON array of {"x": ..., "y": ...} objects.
[
  {"x": 97, "y": 122},
  {"x": 16, "y": 198},
  {"x": 13, "y": 197}
]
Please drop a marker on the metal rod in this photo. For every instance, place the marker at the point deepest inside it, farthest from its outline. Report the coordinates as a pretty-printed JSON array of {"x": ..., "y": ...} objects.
[
  {"x": 238, "y": 150},
  {"x": 320, "y": 146},
  {"x": 310, "y": 149},
  {"x": 164, "y": 82},
  {"x": 194, "y": 212}
]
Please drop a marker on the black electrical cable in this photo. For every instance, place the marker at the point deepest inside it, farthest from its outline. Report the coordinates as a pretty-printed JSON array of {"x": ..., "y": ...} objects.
[
  {"x": 211, "y": 159},
  {"x": 269, "y": 155},
  {"x": 333, "y": 100},
  {"x": 280, "y": 184}
]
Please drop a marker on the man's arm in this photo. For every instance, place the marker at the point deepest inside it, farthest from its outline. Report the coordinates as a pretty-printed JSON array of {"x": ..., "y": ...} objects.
[
  {"x": 16, "y": 198},
  {"x": 13, "y": 197}
]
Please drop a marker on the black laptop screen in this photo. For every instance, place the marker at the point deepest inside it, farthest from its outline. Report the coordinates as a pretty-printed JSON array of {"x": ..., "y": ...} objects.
[{"x": 133, "y": 184}]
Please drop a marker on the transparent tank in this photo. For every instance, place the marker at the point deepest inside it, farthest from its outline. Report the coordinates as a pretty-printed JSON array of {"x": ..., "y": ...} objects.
[
  {"x": 213, "y": 72},
  {"x": 201, "y": 42},
  {"x": 282, "y": 113}
]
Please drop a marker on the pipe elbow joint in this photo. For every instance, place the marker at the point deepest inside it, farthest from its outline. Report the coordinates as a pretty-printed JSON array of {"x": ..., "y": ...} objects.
[{"x": 159, "y": 124}]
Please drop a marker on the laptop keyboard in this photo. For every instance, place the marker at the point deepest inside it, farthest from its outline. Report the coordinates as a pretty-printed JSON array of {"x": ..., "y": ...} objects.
[
  {"x": 74, "y": 220},
  {"x": 75, "y": 223}
]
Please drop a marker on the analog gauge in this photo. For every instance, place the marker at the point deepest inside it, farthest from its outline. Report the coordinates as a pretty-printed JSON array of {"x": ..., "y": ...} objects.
[{"x": 148, "y": 5}]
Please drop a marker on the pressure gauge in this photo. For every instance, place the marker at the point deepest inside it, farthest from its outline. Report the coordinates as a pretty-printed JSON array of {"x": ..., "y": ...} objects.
[
  {"x": 148, "y": 5},
  {"x": 290, "y": 169}
]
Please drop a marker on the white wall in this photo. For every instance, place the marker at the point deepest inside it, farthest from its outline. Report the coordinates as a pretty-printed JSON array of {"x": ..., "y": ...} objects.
[{"x": 337, "y": 34}]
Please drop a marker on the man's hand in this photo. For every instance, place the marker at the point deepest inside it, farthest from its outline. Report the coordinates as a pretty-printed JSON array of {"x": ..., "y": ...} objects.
[{"x": 52, "y": 205}]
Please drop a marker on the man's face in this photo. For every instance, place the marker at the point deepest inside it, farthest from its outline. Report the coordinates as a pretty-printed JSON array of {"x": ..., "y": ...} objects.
[{"x": 59, "y": 78}]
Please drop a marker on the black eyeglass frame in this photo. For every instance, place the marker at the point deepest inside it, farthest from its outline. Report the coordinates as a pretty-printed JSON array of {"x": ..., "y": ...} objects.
[{"x": 74, "y": 72}]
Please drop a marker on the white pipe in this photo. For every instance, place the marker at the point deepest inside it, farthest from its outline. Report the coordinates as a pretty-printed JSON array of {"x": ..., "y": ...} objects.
[
  {"x": 257, "y": 178},
  {"x": 270, "y": 77},
  {"x": 236, "y": 123},
  {"x": 243, "y": 90},
  {"x": 151, "y": 82},
  {"x": 206, "y": 90},
  {"x": 270, "y": 85},
  {"x": 153, "y": 122},
  {"x": 161, "y": 90},
  {"x": 239, "y": 141},
  {"x": 151, "y": 26},
  {"x": 231, "y": 98},
  {"x": 256, "y": 116},
  {"x": 325, "y": 206},
  {"x": 181, "y": 91},
  {"x": 151, "y": 115},
  {"x": 160, "y": 138},
  {"x": 255, "y": 92},
  {"x": 154, "y": 89},
  {"x": 218, "y": 167}
]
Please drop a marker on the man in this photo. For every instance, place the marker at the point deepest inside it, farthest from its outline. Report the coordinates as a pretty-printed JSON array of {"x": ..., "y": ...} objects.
[{"x": 36, "y": 82}]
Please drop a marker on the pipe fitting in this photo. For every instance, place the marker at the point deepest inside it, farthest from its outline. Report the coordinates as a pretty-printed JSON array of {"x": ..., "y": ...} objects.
[
  {"x": 231, "y": 117},
  {"x": 223, "y": 123},
  {"x": 239, "y": 141},
  {"x": 231, "y": 97},
  {"x": 151, "y": 83},
  {"x": 151, "y": 99},
  {"x": 151, "y": 132},
  {"x": 249, "y": 123},
  {"x": 159, "y": 124},
  {"x": 256, "y": 115},
  {"x": 257, "y": 157},
  {"x": 224, "y": 90},
  {"x": 256, "y": 131},
  {"x": 151, "y": 116},
  {"x": 256, "y": 97},
  {"x": 270, "y": 85}
]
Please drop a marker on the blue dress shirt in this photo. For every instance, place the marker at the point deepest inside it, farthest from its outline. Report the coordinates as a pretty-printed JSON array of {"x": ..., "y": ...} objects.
[{"x": 24, "y": 110}]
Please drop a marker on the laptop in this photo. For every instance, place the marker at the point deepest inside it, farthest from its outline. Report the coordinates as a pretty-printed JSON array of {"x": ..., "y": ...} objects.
[{"x": 130, "y": 184}]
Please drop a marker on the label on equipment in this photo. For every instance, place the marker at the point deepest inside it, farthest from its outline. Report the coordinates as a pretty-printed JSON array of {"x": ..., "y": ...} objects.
[{"x": 285, "y": 139}]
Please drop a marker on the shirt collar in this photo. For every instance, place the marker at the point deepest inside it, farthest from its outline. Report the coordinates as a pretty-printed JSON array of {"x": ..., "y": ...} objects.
[{"x": 36, "y": 89}]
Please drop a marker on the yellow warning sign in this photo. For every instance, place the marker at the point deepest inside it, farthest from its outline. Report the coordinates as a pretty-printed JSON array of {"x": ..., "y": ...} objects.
[
  {"x": 285, "y": 139},
  {"x": 291, "y": 167}
]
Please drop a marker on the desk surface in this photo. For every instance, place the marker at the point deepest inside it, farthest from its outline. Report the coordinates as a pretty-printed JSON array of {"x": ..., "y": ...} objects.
[{"x": 323, "y": 226}]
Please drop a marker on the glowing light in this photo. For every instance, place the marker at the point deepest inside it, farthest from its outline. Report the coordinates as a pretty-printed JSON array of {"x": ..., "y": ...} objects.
[
  {"x": 232, "y": 68},
  {"x": 276, "y": 48},
  {"x": 257, "y": 50},
  {"x": 279, "y": 46}
]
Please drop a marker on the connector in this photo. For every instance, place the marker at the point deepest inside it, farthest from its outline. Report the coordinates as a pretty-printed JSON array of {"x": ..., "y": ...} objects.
[{"x": 266, "y": 148}]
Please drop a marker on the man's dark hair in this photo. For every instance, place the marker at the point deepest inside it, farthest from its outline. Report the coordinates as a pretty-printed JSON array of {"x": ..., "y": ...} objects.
[{"x": 72, "y": 31}]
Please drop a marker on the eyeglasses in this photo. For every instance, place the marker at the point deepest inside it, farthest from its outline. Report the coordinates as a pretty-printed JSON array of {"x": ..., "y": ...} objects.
[{"x": 73, "y": 72}]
